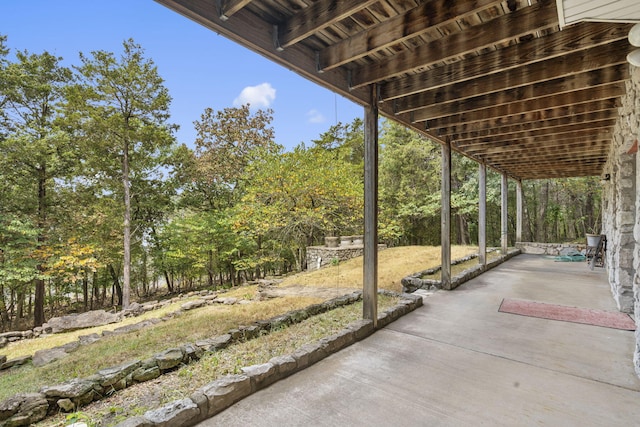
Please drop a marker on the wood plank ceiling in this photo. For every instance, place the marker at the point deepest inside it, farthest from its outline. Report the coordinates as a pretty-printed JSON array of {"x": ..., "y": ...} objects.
[{"x": 498, "y": 80}]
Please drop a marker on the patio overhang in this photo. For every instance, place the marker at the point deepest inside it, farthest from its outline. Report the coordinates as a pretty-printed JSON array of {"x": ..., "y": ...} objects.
[{"x": 498, "y": 80}]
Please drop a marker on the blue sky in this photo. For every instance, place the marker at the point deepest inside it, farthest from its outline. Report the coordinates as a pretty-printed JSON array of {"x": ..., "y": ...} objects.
[{"x": 201, "y": 69}]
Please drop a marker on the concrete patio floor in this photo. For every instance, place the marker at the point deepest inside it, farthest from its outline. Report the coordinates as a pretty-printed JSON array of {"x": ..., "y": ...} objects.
[{"x": 457, "y": 361}]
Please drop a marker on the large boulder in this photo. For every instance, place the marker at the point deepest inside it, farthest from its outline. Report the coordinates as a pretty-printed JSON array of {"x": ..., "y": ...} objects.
[{"x": 88, "y": 319}]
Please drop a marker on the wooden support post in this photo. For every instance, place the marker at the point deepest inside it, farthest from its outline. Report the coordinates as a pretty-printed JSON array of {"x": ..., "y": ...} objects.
[
  {"x": 482, "y": 214},
  {"x": 519, "y": 211},
  {"x": 445, "y": 216},
  {"x": 504, "y": 231},
  {"x": 370, "y": 273}
]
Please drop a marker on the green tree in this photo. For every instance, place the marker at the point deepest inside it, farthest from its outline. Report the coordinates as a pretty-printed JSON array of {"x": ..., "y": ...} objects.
[
  {"x": 35, "y": 150},
  {"x": 346, "y": 141},
  {"x": 18, "y": 266},
  {"x": 120, "y": 113},
  {"x": 299, "y": 196},
  {"x": 227, "y": 142},
  {"x": 409, "y": 186}
]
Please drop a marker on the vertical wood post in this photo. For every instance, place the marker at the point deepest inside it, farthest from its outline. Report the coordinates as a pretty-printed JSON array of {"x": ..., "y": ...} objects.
[
  {"x": 445, "y": 216},
  {"x": 370, "y": 273},
  {"x": 504, "y": 219},
  {"x": 519, "y": 211},
  {"x": 482, "y": 214}
]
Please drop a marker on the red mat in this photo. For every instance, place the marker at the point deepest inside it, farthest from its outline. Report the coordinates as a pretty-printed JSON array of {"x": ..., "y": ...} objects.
[{"x": 606, "y": 319}]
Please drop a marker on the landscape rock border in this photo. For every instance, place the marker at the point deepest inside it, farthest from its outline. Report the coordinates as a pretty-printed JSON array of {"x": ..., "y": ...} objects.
[
  {"x": 45, "y": 356},
  {"x": 415, "y": 281},
  {"x": 27, "y": 408},
  {"x": 220, "y": 394}
]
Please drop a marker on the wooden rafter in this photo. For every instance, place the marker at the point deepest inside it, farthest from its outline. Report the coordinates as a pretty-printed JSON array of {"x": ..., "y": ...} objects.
[
  {"x": 317, "y": 17},
  {"x": 398, "y": 29},
  {"x": 500, "y": 30},
  {"x": 546, "y": 50},
  {"x": 229, "y": 7}
]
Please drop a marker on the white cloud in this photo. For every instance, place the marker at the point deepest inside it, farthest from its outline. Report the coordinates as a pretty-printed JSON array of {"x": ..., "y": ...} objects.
[
  {"x": 260, "y": 96},
  {"x": 315, "y": 116}
]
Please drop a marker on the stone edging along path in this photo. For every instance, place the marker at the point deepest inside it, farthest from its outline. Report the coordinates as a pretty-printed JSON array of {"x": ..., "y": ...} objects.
[
  {"x": 414, "y": 281},
  {"x": 27, "y": 408}
]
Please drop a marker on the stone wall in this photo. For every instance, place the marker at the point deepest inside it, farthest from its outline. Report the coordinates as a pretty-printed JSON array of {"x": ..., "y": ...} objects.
[
  {"x": 621, "y": 207},
  {"x": 552, "y": 249},
  {"x": 320, "y": 256}
]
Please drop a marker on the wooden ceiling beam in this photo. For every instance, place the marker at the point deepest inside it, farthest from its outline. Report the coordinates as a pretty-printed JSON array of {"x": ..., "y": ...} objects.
[
  {"x": 588, "y": 168},
  {"x": 572, "y": 144},
  {"x": 552, "y": 132},
  {"x": 229, "y": 7},
  {"x": 540, "y": 159},
  {"x": 565, "y": 86},
  {"x": 537, "y": 125},
  {"x": 559, "y": 138},
  {"x": 575, "y": 37},
  {"x": 398, "y": 29},
  {"x": 583, "y": 98},
  {"x": 486, "y": 123},
  {"x": 499, "y": 30},
  {"x": 570, "y": 65},
  {"x": 316, "y": 17}
]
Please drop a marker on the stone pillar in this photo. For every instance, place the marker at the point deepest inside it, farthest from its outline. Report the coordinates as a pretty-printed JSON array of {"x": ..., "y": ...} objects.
[
  {"x": 370, "y": 269},
  {"x": 620, "y": 203},
  {"x": 482, "y": 214},
  {"x": 445, "y": 217},
  {"x": 504, "y": 220},
  {"x": 621, "y": 208}
]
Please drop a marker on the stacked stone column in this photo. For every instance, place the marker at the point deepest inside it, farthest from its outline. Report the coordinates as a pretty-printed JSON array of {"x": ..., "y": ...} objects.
[{"x": 621, "y": 208}]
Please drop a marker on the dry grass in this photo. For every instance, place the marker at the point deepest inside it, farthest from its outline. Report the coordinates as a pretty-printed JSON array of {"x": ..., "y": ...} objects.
[
  {"x": 139, "y": 398},
  {"x": 459, "y": 268},
  {"x": 110, "y": 351},
  {"x": 393, "y": 265},
  {"x": 29, "y": 347}
]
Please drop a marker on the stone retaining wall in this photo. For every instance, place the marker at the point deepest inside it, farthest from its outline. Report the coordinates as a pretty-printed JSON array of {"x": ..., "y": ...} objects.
[
  {"x": 320, "y": 256},
  {"x": 415, "y": 281},
  {"x": 552, "y": 249},
  {"x": 28, "y": 408}
]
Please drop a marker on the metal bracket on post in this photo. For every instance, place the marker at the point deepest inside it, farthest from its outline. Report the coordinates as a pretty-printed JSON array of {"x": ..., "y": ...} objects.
[
  {"x": 276, "y": 39},
  {"x": 349, "y": 80},
  {"x": 426, "y": 126},
  {"x": 379, "y": 99},
  {"x": 319, "y": 69},
  {"x": 220, "y": 6},
  {"x": 394, "y": 107}
]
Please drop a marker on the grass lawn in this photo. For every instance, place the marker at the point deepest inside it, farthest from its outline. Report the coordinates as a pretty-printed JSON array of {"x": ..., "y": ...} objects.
[{"x": 393, "y": 265}]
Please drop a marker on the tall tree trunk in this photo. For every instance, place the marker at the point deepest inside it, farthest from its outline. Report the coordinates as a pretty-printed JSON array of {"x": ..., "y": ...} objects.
[
  {"x": 145, "y": 276},
  {"x": 38, "y": 311},
  {"x": 543, "y": 232},
  {"x": 168, "y": 280},
  {"x": 5, "y": 320},
  {"x": 85, "y": 290},
  {"x": 20, "y": 304},
  {"x": 127, "y": 227},
  {"x": 116, "y": 285},
  {"x": 210, "y": 267}
]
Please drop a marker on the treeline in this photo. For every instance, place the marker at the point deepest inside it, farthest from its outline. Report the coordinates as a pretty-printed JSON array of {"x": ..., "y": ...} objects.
[{"x": 98, "y": 199}]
